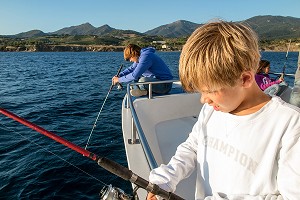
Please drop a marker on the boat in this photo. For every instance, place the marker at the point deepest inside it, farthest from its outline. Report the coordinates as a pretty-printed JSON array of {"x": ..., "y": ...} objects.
[{"x": 154, "y": 125}]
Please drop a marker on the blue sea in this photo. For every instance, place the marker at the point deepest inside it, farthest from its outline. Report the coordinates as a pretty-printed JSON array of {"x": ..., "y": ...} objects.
[{"x": 63, "y": 93}]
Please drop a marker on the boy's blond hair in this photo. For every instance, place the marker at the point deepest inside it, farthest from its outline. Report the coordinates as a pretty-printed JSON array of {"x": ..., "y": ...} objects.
[{"x": 216, "y": 54}]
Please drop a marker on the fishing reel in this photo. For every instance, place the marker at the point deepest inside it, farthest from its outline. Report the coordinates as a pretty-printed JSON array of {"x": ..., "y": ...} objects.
[
  {"x": 113, "y": 193},
  {"x": 119, "y": 86}
]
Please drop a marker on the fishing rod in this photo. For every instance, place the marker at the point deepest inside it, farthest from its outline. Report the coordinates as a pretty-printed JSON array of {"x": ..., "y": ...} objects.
[
  {"x": 111, "y": 87},
  {"x": 103, "y": 162},
  {"x": 286, "y": 57}
]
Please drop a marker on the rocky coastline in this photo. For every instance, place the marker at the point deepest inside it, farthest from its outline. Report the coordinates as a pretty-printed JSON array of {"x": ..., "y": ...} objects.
[
  {"x": 110, "y": 48},
  {"x": 63, "y": 48},
  {"x": 294, "y": 47}
]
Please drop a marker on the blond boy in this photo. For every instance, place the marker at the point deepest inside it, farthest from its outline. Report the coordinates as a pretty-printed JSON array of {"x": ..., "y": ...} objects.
[{"x": 245, "y": 144}]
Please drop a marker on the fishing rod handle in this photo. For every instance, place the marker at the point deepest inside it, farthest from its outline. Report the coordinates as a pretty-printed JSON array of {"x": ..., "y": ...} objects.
[
  {"x": 128, "y": 175},
  {"x": 119, "y": 84}
]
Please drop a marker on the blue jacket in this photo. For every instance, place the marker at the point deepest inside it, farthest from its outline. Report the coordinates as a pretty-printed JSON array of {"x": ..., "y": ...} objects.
[{"x": 149, "y": 64}]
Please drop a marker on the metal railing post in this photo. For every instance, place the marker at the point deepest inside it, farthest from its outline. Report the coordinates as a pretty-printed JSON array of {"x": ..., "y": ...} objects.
[
  {"x": 136, "y": 126},
  {"x": 150, "y": 91},
  {"x": 133, "y": 139}
]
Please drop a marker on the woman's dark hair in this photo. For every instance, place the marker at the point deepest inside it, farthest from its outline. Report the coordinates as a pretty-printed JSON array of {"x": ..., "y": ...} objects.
[{"x": 263, "y": 64}]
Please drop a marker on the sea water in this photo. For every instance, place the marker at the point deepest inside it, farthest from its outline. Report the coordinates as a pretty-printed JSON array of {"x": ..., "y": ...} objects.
[{"x": 63, "y": 93}]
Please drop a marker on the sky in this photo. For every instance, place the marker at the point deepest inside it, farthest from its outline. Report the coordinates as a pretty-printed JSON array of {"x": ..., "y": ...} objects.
[{"x": 18, "y": 16}]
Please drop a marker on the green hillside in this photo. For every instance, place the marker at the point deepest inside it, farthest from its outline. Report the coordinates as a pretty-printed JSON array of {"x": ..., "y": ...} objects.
[{"x": 274, "y": 33}]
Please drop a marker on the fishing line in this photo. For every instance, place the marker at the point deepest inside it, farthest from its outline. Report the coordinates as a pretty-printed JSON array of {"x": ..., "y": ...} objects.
[
  {"x": 94, "y": 126},
  {"x": 46, "y": 150}
]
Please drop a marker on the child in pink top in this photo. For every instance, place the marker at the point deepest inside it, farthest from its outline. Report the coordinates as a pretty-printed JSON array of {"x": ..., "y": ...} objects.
[{"x": 262, "y": 77}]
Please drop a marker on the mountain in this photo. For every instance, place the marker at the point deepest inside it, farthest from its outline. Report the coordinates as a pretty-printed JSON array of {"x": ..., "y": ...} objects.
[
  {"x": 275, "y": 27},
  {"x": 267, "y": 27},
  {"x": 30, "y": 34},
  {"x": 102, "y": 30},
  {"x": 179, "y": 28},
  {"x": 83, "y": 29}
]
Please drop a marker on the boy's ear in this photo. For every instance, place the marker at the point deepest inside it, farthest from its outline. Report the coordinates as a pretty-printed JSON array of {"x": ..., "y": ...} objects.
[{"x": 248, "y": 78}]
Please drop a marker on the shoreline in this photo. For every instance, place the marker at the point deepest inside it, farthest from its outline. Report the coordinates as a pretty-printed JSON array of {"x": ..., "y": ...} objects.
[{"x": 111, "y": 48}]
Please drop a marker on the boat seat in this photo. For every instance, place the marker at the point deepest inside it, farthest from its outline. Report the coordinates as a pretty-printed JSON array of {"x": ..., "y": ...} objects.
[{"x": 162, "y": 118}]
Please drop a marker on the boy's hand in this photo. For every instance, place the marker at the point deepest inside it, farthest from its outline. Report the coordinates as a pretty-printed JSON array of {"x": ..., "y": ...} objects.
[{"x": 151, "y": 196}]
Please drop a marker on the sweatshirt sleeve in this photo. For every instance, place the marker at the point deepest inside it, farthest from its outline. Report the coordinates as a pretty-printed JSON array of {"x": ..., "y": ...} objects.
[
  {"x": 126, "y": 75},
  {"x": 136, "y": 71},
  {"x": 128, "y": 70},
  {"x": 265, "y": 86}
]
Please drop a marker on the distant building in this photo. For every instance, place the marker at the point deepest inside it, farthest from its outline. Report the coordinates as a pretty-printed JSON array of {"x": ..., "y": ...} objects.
[
  {"x": 164, "y": 46},
  {"x": 159, "y": 42}
]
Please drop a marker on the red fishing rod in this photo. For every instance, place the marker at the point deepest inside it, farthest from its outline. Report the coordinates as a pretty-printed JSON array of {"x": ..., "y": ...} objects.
[{"x": 105, "y": 163}]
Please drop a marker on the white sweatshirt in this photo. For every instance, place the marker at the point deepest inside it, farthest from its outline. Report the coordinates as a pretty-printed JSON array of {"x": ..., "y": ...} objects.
[{"x": 256, "y": 156}]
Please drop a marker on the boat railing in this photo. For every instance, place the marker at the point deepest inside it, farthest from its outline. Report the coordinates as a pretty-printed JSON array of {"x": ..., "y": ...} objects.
[
  {"x": 136, "y": 127},
  {"x": 276, "y": 73}
]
